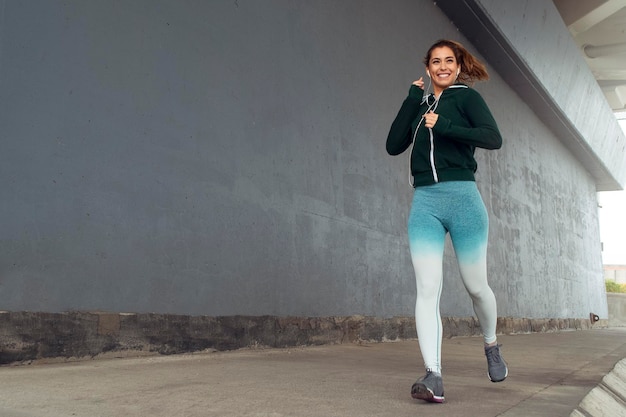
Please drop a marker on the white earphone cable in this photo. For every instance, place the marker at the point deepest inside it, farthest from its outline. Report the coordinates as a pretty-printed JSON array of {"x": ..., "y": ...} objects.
[{"x": 430, "y": 107}]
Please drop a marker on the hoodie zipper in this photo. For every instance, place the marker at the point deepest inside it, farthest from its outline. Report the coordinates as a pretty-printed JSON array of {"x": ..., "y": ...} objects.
[
  {"x": 430, "y": 107},
  {"x": 433, "y": 168},
  {"x": 432, "y": 156}
]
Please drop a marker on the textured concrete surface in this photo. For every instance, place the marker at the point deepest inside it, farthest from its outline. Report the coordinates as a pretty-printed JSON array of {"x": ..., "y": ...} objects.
[
  {"x": 608, "y": 399},
  {"x": 550, "y": 374},
  {"x": 28, "y": 336},
  {"x": 586, "y": 125},
  {"x": 617, "y": 309},
  {"x": 227, "y": 158}
]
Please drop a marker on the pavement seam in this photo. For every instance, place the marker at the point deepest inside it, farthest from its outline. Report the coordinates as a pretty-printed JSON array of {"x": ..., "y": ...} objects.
[
  {"x": 606, "y": 387},
  {"x": 565, "y": 380}
]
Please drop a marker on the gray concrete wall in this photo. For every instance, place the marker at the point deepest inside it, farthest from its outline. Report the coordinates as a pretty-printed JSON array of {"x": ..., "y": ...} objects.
[
  {"x": 227, "y": 157},
  {"x": 553, "y": 78}
]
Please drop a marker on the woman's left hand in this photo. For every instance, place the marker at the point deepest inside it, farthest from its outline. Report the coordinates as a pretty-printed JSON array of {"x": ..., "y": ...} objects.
[{"x": 430, "y": 119}]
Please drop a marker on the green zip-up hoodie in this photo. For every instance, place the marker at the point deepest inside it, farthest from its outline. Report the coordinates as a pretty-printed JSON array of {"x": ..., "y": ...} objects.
[{"x": 445, "y": 152}]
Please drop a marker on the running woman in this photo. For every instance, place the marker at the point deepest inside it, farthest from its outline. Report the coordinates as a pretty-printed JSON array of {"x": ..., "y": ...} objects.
[{"x": 444, "y": 128}]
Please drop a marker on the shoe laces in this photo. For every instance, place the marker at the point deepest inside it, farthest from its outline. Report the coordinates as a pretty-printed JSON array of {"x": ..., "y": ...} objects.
[
  {"x": 493, "y": 353},
  {"x": 430, "y": 374}
]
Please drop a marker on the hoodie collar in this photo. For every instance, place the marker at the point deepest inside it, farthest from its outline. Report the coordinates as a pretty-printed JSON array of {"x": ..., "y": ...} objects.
[{"x": 431, "y": 96}]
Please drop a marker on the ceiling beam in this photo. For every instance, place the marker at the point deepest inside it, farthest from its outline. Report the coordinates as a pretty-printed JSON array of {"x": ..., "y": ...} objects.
[
  {"x": 571, "y": 11},
  {"x": 596, "y": 16},
  {"x": 595, "y": 51}
]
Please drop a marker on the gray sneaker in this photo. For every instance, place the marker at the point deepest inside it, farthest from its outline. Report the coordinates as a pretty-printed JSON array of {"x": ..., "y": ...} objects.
[
  {"x": 429, "y": 388},
  {"x": 497, "y": 369}
]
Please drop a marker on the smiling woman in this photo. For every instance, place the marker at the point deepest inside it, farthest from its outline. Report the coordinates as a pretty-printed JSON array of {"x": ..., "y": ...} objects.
[
  {"x": 442, "y": 68},
  {"x": 442, "y": 131},
  {"x": 448, "y": 62}
]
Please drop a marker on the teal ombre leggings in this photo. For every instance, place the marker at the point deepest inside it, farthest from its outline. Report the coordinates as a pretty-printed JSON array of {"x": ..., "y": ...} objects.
[{"x": 453, "y": 207}]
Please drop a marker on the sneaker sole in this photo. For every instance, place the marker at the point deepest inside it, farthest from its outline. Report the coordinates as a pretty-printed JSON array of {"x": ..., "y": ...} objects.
[
  {"x": 421, "y": 392},
  {"x": 498, "y": 380}
]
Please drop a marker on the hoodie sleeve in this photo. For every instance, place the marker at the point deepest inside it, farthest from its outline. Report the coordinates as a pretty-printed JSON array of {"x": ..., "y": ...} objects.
[
  {"x": 399, "y": 137},
  {"x": 483, "y": 133}
]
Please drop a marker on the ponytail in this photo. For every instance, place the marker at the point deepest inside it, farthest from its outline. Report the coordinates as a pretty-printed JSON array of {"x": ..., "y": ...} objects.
[{"x": 472, "y": 69}]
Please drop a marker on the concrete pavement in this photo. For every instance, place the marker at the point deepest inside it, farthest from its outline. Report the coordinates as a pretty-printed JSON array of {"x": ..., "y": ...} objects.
[{"x": 550, "y": 374}]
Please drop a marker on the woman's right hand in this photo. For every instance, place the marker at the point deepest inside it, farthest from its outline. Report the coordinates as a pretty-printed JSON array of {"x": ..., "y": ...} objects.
[{"x": 419, "y": 83}]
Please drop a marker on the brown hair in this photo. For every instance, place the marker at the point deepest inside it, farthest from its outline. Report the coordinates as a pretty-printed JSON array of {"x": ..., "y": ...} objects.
[{"x": 471, "y": 68}]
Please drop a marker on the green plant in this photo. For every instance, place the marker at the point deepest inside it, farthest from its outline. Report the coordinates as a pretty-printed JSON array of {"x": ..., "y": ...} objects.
[{"x": 612, "y": 286}]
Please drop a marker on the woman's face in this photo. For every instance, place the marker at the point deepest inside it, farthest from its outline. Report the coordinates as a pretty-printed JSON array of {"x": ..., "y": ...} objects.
[{"x": 442, "y": 68}]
